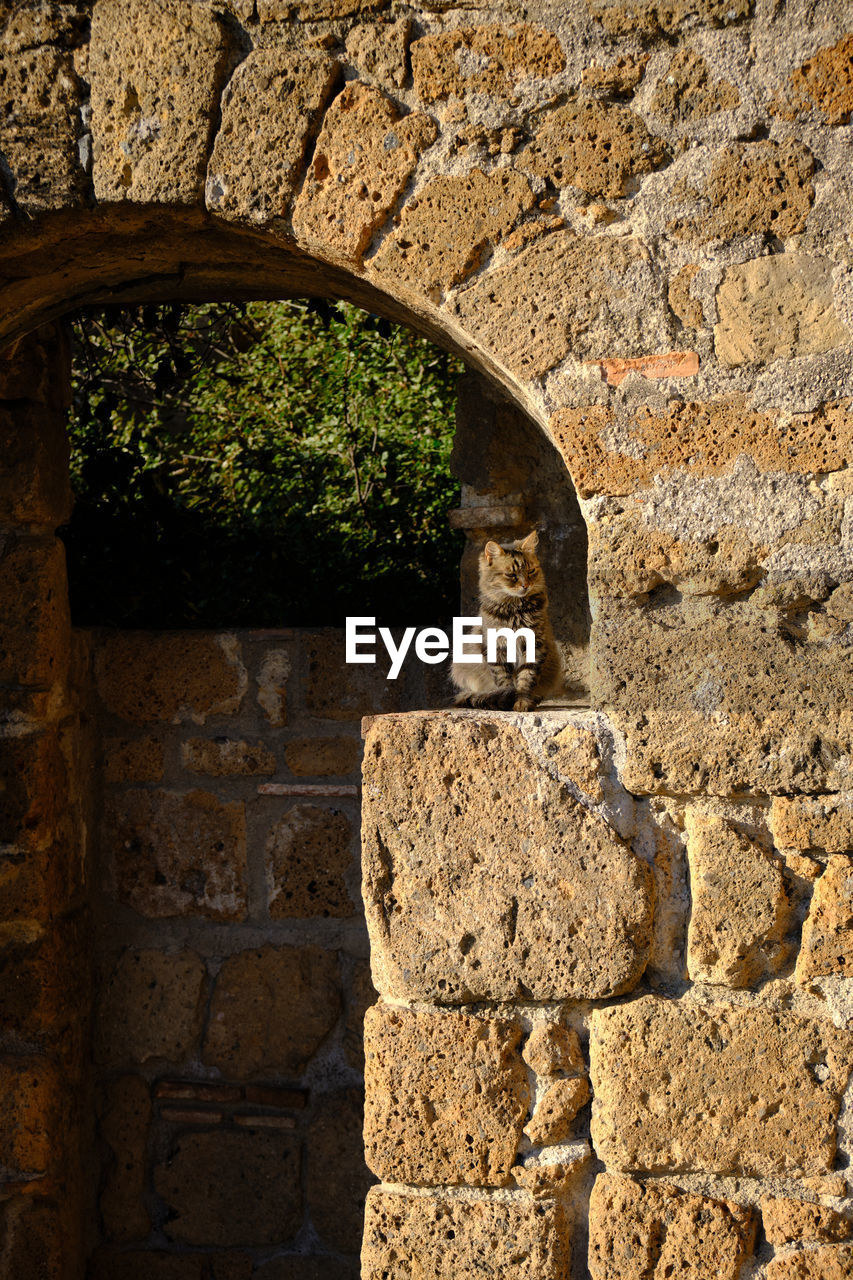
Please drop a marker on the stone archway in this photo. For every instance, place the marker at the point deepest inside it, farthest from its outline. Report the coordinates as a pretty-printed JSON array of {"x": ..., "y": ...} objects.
[{"x": 632, "y": 217}]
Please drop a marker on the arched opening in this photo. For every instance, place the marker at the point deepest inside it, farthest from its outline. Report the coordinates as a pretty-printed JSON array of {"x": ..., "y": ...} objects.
[{"x": 199, "y": 1106}]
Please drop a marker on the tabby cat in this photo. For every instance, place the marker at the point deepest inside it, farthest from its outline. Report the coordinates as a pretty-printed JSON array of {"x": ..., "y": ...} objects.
[{"x": 513, "y": 595}]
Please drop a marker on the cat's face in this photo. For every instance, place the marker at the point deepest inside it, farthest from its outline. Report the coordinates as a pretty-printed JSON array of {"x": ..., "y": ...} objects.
[{"x": 513, "y": 570}]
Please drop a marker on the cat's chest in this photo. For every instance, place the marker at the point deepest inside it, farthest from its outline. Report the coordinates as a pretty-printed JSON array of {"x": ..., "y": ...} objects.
[{"x": 514, "y": 612}]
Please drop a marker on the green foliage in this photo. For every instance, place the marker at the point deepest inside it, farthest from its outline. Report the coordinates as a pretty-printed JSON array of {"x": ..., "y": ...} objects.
[{"x": 263, "y": 464}]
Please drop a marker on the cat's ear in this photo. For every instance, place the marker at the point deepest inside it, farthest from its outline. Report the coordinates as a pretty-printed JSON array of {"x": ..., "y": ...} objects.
[
  {"x": 530, "y": 543},
  {"x": 492, "y": 552}
]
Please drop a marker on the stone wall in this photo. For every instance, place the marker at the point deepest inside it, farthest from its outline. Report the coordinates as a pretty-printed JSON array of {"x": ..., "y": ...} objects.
[
  {"x": 230, "y": 951},
  {"x": 634, "y": 218}
]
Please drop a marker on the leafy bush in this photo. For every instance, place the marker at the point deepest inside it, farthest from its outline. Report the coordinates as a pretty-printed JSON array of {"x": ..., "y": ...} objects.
[{"x": 261, "y": 464}]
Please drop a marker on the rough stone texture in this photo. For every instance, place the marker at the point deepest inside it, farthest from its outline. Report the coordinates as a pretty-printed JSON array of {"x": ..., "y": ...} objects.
[
  {"x": 31, "y": 1103},
  {"x": 271, "y": 1010},
  {"x": 34, "y": 486},
  {"x": 688, "y": 309},
  {"x": 365, "y": 155},
  {"x": 133, "y": 760},
  {"x": 824, "y": 84},
  {"x": 610, "y": 454},
  {"x": 618, "y": 79},
  {"x": 651, "y": 17},
  {"x": 184, "y": 676},
  {"x": 720, "y": 1090},
  {"x": 228, "y": 1189},
  {"x": 446, "y": 231},
  {"x": 151, "y": 1007},
  {"x": 777, "y": 307},
  {"x": 437, "y": 1237},
  {"x": 752, "y": 187},
  {"x": 156, "y": 84},
  {"x": 33, "y": 1239},
  {"x": 827, "y": 946},
  {"x": 270, "y": 111},
  {"x": 828, "y": 1263},
  {"x": 362, "y": 994},
  {"x": 339, "y": 692},
  {"x": 124, "y": 1125},
  {"x": 823, "y": 823},
  {"x": 379, "y": 50},
  {"x": 687, "y": 90},
  {"x": 447, "y": 1096},
  {"x": 551, "y": 1049},
  {"x": 786, "y": 1220},
  {"x": 322, "y": 757},
  {"x": 338, "y": 1179},
  {"x": 223, "y": 757},
  {"x": 44, "y": 979},
  {"x": 552, "y": 1120},
  {"x": 544, "y": 1177},
  {"x": 33, "y": 792},
  {"x": 488, "y": 59},
  {"x": 35, "y": 641},
  {"x": 600, "y": 148},
  {"x": 308, "y": 854},
  {"x": 740, "y": 908},
  {"x": 40, "y": 100},
  {"x": 178, "y": 854},
  {"x": 565, "y": 292},
  {"x": 272, "y": 686},
  {"x": 566, "y": 912},
  {"x": 639, "y": 1231}
]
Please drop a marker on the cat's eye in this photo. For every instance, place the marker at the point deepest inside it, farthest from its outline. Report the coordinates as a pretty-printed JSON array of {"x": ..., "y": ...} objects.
[{"x": 512, "y": 577}]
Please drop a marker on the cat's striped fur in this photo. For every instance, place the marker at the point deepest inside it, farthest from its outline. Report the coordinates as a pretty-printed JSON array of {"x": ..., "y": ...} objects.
[{"x": 513, "y": 595}]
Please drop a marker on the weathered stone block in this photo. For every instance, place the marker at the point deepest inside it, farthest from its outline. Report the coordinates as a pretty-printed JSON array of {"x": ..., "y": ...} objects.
[
  {"x": 477, "y": 888},
  {"x": 336, "y": 691},
  {"x": 34, "y": 487},
  {"x": 447, "y": 1096},
  {"x": 32, "y": 1125},
  {"x": 600, "y": 148},
  {"x": 224, "y": 757},
  {"x": 185, "y": 676},
  {"x": 824, "y": 83},
  {"x": 361, "y": 994},
  {"x": 177, "y": 854},
  {"x": 487, "y": 59},
  {"x": 786, "y": 1220},
  {"x": 308, "y": 854},
  {"x": 156, "y": 86},
  {"x": 552, "y": 1120},
  {"x": 124, "y": 1124},
  {"x": 752, "y": 187},
  {"x": 365, "y": 155},
  {"x": 575, "y": 753},
  {"x": 133, "y": 760},
  {"x": 551, "y": 1049},
  {"x": 338, "y": 1178},
  {"x": 824, "y": 823},
  {"x": 436, "y": 1237},
  {"x": 270, "y": 110},
  {"x": 651, "y": 17},
  {"x": 228, "y": 1189},
  {"x": 272, "y": 686},
  {"x": 740, "y": 910},
  {"x": 33, "y": 1238},
  {"x": 322, "y": 757},
  {"x": 44, "y": 978},
  {"x": 722, "y": 1090},
  {"x": 33, "y": 791},
  {"x": 379, "y": 50},
  {"x": 40, "y": 100},
  {"x": 36, "y": 639},
  {"x": 151, "y": 1006},
  {"x": 300, "y": 1267},
  {"x": 271, "y": 1010},
  {"x": 776, "y": 308},
  {"x": 688, "y": 91},
  {"x": 828, "y": 1263},
  {"x": 445, "y": 233},
  {"x": 643, "y": 1230},
  {"x": 827, "y": 946},
  {"x": 594, "y": 296}
]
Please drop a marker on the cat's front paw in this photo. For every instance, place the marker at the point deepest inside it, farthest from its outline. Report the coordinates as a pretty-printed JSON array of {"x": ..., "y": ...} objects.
[{"x": 524, "y": 703}]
